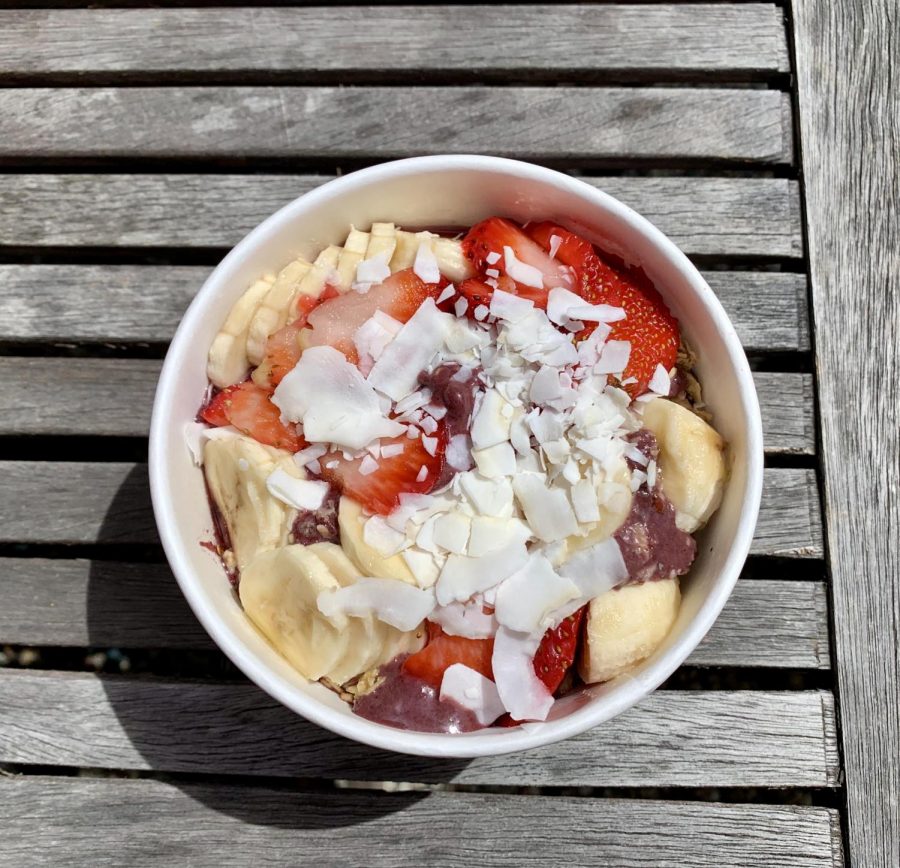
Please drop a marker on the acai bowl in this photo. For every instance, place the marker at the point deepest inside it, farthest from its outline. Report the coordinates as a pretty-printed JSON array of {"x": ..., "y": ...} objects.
[{"x": 498, "y": 444}]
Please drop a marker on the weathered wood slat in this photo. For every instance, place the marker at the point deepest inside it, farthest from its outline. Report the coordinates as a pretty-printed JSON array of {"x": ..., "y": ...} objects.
[
  {"x": 850, "y": 130},
  {"x": 673, "y": 738},
  {"x": 558, "y": 123},
  {"x": 766, "y": 623},
  {"x": 705, "y": 216},
  {"x": 81, "y": 502},
  {"x": 126, "y": 304},
  {"x": 643, "y": 40},
  {"x": 84, "y": 397},
  {"x": 77, "y": 821}
]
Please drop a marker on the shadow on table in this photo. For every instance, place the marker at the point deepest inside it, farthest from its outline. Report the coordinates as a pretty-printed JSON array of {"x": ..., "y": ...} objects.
[{"x": 203, "y": 725}]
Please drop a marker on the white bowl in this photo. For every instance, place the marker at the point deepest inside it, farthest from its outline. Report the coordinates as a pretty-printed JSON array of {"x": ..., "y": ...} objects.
[{"x": 453, "y": 191}]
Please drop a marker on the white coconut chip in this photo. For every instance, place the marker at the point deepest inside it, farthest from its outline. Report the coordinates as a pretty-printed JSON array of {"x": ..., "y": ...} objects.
[
  {"x": 426, "y": 264},
  {"x": 613, "y": 357},
  {"x": 660, "y": 382},
  {"x": 396, "y": 603},
  {"x": 463, "y": 576},
  {"x": 523, "y": 694},
  {"x": 298, "y": 493},
  {"x": 367, "y": 466},
  {"x": 520, "y": 271},
  {"x": 466, "y": 619},
  {"x": 472, "y": 691},
  {"x": 527, "y": 598}
]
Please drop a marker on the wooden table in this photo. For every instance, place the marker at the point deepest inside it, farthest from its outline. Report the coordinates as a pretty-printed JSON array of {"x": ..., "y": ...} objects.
[{"x": 138, "y": 145}]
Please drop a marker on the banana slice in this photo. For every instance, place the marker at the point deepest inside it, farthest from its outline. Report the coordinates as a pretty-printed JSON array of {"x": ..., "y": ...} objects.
[
  {"x": 406, "y": 249},
  {"x": 368, "y": 561},
  {"x": 691, "y": 461},
  {"x": 625, "y": 626},
  {"x": 381, "y": 642},
  {"x": 279, "y": 591},
  {"x": 236, "y": 470},
  {"x": 323, "y": 268},
  {"x": 227, "y": 362},
  {"x": 451, "y": 260},
  {"x": 354, "y": 250},
  {"x": 272, "y": 312},
  {"x": 382, "y": 241}
]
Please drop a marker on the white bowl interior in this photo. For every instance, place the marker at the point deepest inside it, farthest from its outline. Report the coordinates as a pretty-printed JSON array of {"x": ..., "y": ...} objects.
[{"x": 456, "y": 191}]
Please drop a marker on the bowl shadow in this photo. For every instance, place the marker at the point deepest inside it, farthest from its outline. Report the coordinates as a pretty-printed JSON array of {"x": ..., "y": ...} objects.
[{"x": 187, "y": 713}]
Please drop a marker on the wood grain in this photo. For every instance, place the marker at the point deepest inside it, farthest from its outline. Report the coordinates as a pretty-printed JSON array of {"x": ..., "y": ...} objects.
[
  {"x": 672, "y": 738},
  {"x": 704, "y": 216},
  {"x": 556, "y": 123},
  {"x": 644, "y": 41},
  {"x": 77, "y": 821},
  {"x": 84, "y": 397},
  {"x": 770, "y": 623},
  {"x": 850, "y": 130},
  {"x": 127, "y": 304},
  {"x": 82, "y": 502}
]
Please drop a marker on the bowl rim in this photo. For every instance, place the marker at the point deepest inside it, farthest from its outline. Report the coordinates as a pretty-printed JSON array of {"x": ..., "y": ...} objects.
[{"x": 470, "y": 745}]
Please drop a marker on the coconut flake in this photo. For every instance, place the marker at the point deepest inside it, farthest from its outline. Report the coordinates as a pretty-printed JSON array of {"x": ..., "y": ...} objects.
[
  {"x": 555, "y": 243},
  {"x": 430, "y": 444},
  {"x": 460, "y": 306},
  {"x": 373, "y": 336},
  {"x": 426, "y": 264},
  {"x": 523, "y": 694},
  {"x": 527, "y": 598},
  {"x": 490, "y": 424},
  {"x": 613, "y": 357},
  {"x": 386, "y": 540},
  {"x": 422, "y": 565},
  {"x": 584, "y": 499},
  {"x": 660, "y": 382},
  {"x": 458, "y": 453},
  {"x": 373, "y": 270},
  {"x": 472, "y": 691},
  {"x": 196, "y": 435},
  {"x": 546, "y": 508},
  {"x": 367, "y": 466},
  {"x": 520, "y": 271},
  {"x": 506, "y": 306},
  {"x": 492, "y": 258},
  {"x": 422, "y": 475},
  {"x": 498, "y": 460},
  {"x": 332, "y": 400},
  {"x": 396, "y": 373},
  {"x": 392, "y": 450},
  {"x": 466, "y": 619},
  {"x": 451, "y": 531},
  {"x": 389, "y": 600},
  {"x": 446, "y": 293},
  {"x": 462, "y": 576},
  {"x": 488, "y": 496},
  {"x": 481, "y": 312},
  {"x": 295, "y": 492}
]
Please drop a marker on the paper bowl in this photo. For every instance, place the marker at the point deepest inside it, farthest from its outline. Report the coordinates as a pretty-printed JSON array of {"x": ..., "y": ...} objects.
[{"x": 453, "y": 191}]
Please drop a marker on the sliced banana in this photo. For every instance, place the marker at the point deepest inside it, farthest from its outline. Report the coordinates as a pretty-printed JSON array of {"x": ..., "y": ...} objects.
[
  {"x": 236, "y": 471},
  {"x": 626, "y": 626},
  {"x": 323, "y": 269},
  {"x": 227, "y": 362},
  {"x": 691, "y": 461},
  {"x": 354, "y": 250},
  {"x": 273, "y": 311},
  {"x": 451, "y": 260},
  {"x": 279, "y": 591},
  {"x": 368, "y": 561},
  {"x": 406, "y": 249},
  {"x": 382, "y": 241}
]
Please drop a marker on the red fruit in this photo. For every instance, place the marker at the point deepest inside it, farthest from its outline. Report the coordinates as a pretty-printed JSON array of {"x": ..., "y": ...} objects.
[
  {"x": 648, "y": 325},
  {"x": 334, "y": 322},
  {"x": 476, "y": 292},
  {"x": 248, "y": 408},
  {"x": 652, "y": 331},
  {"x": 379, "y": 492},
  {"x": 495, "y": 233},
  {"x": 283, "y": 348},
  {"x": 443, "y": 651},
  {"x": 556, "y": 652}
]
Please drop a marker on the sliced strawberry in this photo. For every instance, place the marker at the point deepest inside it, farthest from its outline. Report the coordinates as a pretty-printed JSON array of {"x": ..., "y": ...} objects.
[
  {"x": 475, "y": 291},
  {"x": 648, "y": 325},
  {"x": 334, "y": 322},
  {"x": 557, "y": 650},
  {"x": 443, "y": 651},
  {"x": 248, "y": 408},
  {"x": 380, "y": 491},
  {"x": 493, "y": 236},
  {"x": 283, "y": 348},
  {"x": 651, "y": 330}
]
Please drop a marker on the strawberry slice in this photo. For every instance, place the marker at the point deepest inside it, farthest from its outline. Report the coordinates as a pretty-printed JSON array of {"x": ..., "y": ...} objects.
[
  {"x": 334, "y": 322},
  {"x": 248, "y": 408},
  {"x": 380, "y": 491},
  {"x": 283, "y": 348},
  {"x": 556, "y": 652},
  {"x": 493, "y": 236},
  {"x": 648, "y": 325},
  {"x": 443, "y": 651},
  {"x": 476, "y": 292}
]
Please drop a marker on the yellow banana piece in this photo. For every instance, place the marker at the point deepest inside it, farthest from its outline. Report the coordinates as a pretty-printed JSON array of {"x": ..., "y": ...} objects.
[
  {"x": 626, "y": 626},
  {"x": 273, "y": 311},
  {"x": 354, "y": 250},
  {"x": 368, "y": 561}
]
